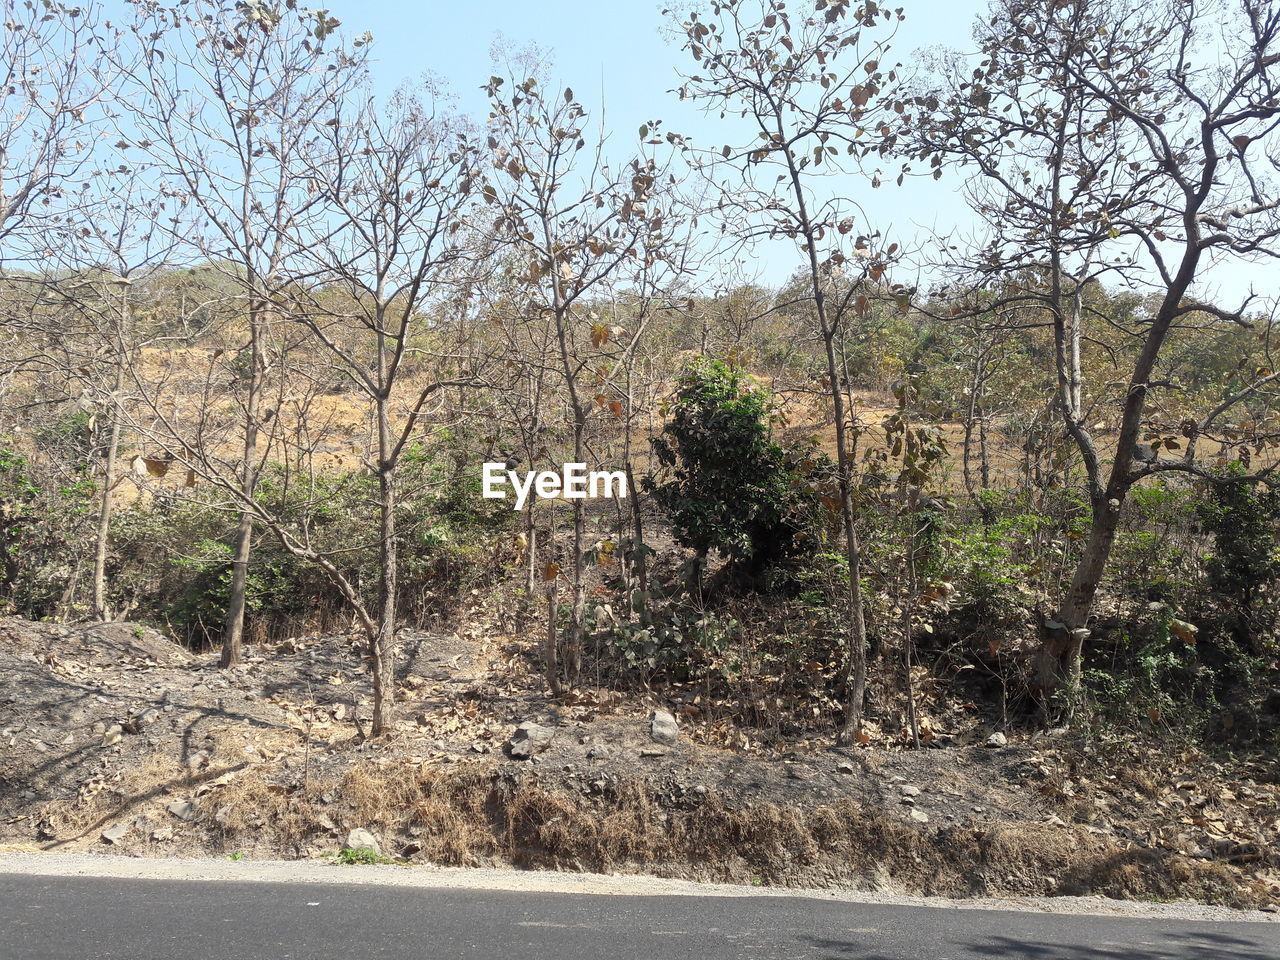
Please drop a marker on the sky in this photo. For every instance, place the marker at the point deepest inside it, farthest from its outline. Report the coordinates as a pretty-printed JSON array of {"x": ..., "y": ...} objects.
[{"x": 615, "y": 54}]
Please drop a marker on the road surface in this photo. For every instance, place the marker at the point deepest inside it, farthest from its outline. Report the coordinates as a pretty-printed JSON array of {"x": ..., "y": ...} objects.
[{"x": 96, "y": 918}]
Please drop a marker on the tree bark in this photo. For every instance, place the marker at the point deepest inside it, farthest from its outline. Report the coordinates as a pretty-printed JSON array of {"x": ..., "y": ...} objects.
[
  {"x": 549, "y": 648},
  {"x": 237, "y": 602},
  {"x": 578, "y": 628},
  {"x": 382, "y": 648},
  {"x": 1058, "y": 665},
  {"x": 103, "y": 532},
  {"x": 639, "y": 563},
  {"x": 102, "y": 535}
]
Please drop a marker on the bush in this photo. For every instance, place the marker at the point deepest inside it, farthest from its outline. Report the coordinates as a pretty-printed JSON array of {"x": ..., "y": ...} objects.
[
  {"x": 1244, "y": 566},
  {"x": 171, "y": 559},
  {"x": 46, "y": 528},
  {"x": 997, "y": 565},
  {"x": 731, "y": 487},
  {"x": 1154, "y": 558},
  {"x": 1151, "y": 674}
]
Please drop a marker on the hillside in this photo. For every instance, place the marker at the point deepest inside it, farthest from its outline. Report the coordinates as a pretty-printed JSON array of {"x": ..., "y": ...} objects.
[{"x": 118, "y": 741}]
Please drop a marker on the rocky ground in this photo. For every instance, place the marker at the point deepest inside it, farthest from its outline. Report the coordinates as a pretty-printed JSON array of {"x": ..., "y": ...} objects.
[{"x": 114, "y": 739}]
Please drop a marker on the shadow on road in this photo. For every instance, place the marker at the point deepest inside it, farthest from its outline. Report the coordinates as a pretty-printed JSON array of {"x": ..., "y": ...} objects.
[{"x": 1172, "y": 945}]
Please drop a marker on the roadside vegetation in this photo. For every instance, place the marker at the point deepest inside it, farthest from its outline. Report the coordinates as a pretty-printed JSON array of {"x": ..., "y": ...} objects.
[{"x": 260, "y": 331}]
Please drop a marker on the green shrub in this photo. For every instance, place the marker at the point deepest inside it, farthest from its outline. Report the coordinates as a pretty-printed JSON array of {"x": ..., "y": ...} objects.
[
  {"x": 730, "y": 486},
  {"x": 1244, "y": 567},
  {"x": 46, "y": 529}
]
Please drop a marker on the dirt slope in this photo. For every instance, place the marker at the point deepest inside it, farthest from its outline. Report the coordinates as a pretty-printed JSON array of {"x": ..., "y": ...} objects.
[{"x": 113, "y": 739}]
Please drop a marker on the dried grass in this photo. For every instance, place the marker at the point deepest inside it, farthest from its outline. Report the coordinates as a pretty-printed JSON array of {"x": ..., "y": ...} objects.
[{"x": 470, "y": 819}]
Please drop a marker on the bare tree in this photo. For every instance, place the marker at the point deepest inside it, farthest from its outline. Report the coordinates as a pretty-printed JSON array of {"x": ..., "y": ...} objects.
[
  {"x": 223, "y": 100},
  {"x": 575, "y": 221},
  {"x": 387, "y": 283},
  {"x": 1131, "y": 143},
  {"x": 806, "y": 85}
]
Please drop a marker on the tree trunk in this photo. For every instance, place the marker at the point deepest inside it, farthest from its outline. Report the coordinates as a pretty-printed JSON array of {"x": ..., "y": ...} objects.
[
  {"x": 967, "y": 450},
  {"x": 983, "y": 457},
  {"x": 1058, "y": 666},
  {"x": 552, "y": 658},
  {"x": 382, "y": 649},
  {"x": 102, "y": 534},
  {"x": 639, "y": 563},
  {"x": 970, "y": 419},
  {"x": 100, "y": 611},
  {"x": 908, "y": 643},
  {"x": 856, "y": 684},
  {"x": 577, "y": 631},
  {"x": 233, "y": 629},
  {"x": 530, "y": 568}
]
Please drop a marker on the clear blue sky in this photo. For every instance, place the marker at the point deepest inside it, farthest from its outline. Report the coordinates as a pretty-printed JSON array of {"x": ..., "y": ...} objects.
[
  {"x": 616, "y": 54},
  {"x": 617, "y": 48}
]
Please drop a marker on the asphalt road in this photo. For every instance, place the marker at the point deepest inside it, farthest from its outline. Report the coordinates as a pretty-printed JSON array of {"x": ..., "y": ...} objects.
[{"x": 94, "y": 918}]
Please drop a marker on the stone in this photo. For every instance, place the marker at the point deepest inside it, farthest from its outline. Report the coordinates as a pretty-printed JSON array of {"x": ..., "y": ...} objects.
[
  {"x": 844, "y": 766},
  {"x": 361, "y": 839},
  {"x": 144, "y": 719},
  {"x": 663, "y": 728},
  {"x": 919, "y": 816},
  {"x": 997, "y": 740},
  {"x": 530, "y": 738},
  {"x": 184, "y": 810},
  {"x": 162, "y": 834},
  {"x": 651, "y": 752},
  {"x": 910, "y": 791},
  {"x": 115, "y": 833}
]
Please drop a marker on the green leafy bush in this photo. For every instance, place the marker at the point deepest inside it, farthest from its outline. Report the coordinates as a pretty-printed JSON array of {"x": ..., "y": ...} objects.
[
  {"x": 1243, "y": 569},
  {"x": 730, "y": 487},
  {"x": 46, "y": 520}
]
